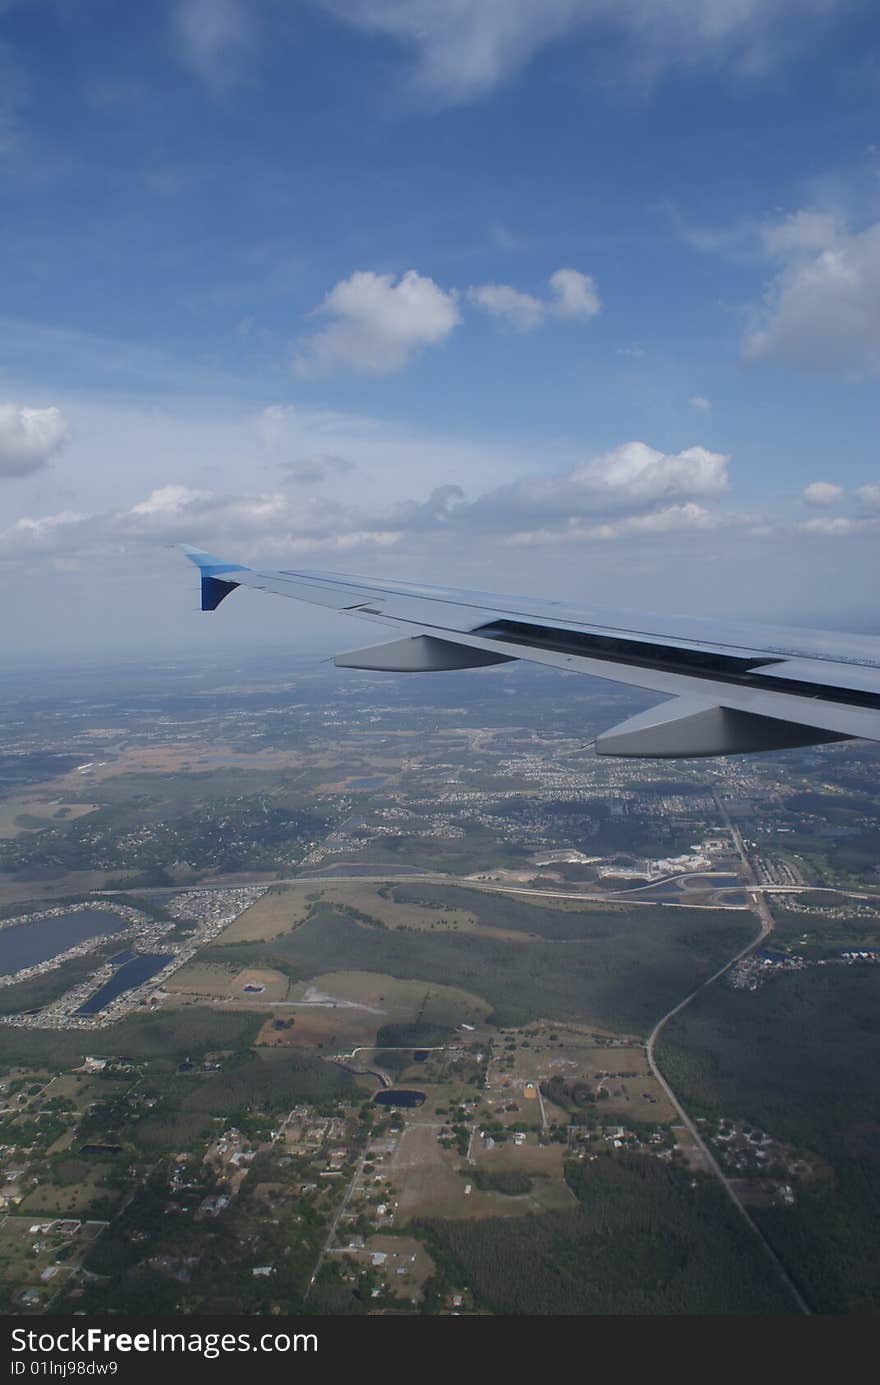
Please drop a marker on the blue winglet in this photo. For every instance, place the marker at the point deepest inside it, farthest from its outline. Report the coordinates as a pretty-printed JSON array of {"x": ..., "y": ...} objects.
[{"x": 214, "y": 589}]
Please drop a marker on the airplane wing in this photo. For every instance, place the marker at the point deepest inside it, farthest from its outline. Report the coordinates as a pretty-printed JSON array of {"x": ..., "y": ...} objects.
[{"x": 733, "y": 688}]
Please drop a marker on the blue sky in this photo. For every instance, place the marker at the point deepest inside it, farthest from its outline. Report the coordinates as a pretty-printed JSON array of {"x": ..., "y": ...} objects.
[{"x": 565, "y": 296}]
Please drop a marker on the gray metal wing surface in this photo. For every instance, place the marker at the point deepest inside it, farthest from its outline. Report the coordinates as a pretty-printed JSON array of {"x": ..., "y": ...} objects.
[{"x": 733, "y": 688}]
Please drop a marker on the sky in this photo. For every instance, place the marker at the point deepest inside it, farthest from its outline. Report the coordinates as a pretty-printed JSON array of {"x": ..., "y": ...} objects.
[{"x": 574, "y": 298}]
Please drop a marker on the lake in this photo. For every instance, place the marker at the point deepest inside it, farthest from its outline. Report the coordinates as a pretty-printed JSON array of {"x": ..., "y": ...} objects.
[
  {"x": 134, "y": 973},
  {"x": 399, "y": 1096},
  {"x": 27, "y": 944}
]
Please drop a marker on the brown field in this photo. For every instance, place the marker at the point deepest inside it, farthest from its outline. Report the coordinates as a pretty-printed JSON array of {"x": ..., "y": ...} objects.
[
  {"x": 72, "y": 1200},
  {"x": 286, "y": 906},
  {"x": 403, "y": 1253},
  {"x": 428, "y": 1184},
  {"x": 371, "y": 1000},
  {"x": 278, "y": 911},
  {"x": 576, "y": 1054},
  {"x": 334, "y": 1029},
  {"x": 403, "y": 999},
  {"x": 540, "y": 1160},
  {"x": 218, "y": 982}
]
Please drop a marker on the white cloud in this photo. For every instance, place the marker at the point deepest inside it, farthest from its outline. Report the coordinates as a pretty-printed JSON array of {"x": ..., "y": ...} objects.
[
  {"x": 821, "y": 310},
  {"x": 830, "y": 524},
  {"x": 379, "y": 324},
  {"x": 213, "y": 37},
  {"x": 633, "y": 490},
  {"x": 673, "y": 519},
  {"x": 521, "y": 310},
  {"x": 572, "y": 295},
  {"x": 465, "y": 48},
  {"x": 167, "y": 502},
  {"x": 45, "y": 529},
  {"x": 29, "y": 437},
  {"x": 869, "y": 496},
  {"x": 637, "y": 471},
  {"x": 697, "y": 401},
  {"x": 822, "y": 493},
  {"x": 805, "y": 231}
]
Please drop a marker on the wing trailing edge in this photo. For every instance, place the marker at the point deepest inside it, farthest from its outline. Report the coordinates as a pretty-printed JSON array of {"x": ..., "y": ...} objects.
[{"x": 731, "y": 688}]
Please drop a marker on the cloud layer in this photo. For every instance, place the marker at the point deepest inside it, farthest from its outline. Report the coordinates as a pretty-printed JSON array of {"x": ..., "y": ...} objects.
[{"x": 632, "y": 490}]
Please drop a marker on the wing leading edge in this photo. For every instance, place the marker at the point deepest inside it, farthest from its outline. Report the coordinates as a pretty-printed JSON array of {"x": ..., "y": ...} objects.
[{"x": 756, "y": 689}]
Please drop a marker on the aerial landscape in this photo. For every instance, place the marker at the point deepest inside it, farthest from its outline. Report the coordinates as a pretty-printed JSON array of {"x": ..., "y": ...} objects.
[
  {"x": 374, "y": 987},
  {"x": 490, "y": 928}
]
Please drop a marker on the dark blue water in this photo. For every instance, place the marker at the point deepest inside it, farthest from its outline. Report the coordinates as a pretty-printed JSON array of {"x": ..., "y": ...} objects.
[
  {"x": 399, "y": 1097},
  {"x": 26, "y": 944},
  {"x": 131, "y": 974}
]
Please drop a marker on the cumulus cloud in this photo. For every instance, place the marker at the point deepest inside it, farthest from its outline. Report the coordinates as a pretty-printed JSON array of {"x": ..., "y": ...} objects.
[
  {"x": 821, "y": 309},
  {"x": 212, "y": 38},
  {"x": 703, "y": 405},
  {"x": 29, "y": 437},
  {"x": 822, "y": 493},
  {"x": 520, "y": 310},
  {"x": 465, "y": 48},
  {"x": 378, "y": 323},
  {"x": 637, "y": 471},
  {"x": 869, "y": 496},
  {"x": 572, "y": 295}
]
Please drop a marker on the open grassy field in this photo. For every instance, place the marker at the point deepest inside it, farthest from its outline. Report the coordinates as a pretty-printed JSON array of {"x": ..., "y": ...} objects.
[
  {"x": 355, "y": 1005},
  {"x": 287, "y": 906},
  {"x": 619, "y": 1068},
  {"x": 216, "y": 982},
  {"x": 279, "y": 910},
  {"x": 82, "y": 1189},
  {"x": 622, "y": 968}
]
